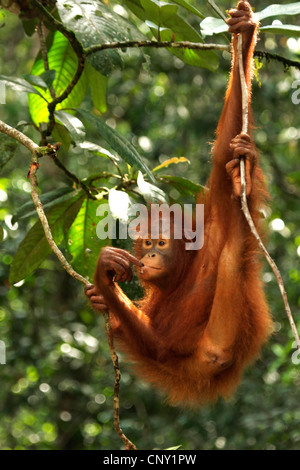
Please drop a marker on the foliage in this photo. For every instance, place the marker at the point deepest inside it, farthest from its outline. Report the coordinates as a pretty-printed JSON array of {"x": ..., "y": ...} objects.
[{"x": 129, "y": 113}]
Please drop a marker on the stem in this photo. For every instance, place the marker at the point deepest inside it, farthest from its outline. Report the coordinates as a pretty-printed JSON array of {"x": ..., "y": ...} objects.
[
  {"x": 73, "y": 177},
  {"x": 244, "y": 204}
]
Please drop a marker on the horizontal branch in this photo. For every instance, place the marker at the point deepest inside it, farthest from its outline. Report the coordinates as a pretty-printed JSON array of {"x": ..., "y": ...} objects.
[
  {"x": 156, "y": 44},
  {"x": 185, "y": 45}
]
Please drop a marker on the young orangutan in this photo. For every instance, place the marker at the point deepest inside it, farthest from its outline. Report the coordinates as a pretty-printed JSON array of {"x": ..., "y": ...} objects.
[{"x": 204, "y": 316}]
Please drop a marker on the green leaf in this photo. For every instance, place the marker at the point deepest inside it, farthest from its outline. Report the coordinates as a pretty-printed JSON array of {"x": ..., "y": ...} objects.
[
  {"x": 184, "y": 186},
  {"x": 95, "y": 23},
  {"x": 97, "y": 150},
  {"x": 83, "y": 243},
  {"x": 189, "y": 7},
  {"x": 60, "y": 134},
  {"x": 182, "y": 31},
  {"x": 36, "y": 81},
  {"x": 277, "y": 10},
  {"x": 48, "y": 77},
  {"x": 1, "y": 233},
  {"x": 48, "y": 200},
  {"x": 8, "y": 148},
  {"x": 43, "y": 81},
  {"x": 121, "y": 145},
  {"x": 157, "y": 11},
  {"x": 19, "y": 84},
  {"x": 152, "y": 194},
  {"x": 211, "y": 25},
  {"x": 98, "y": 84},
  {"x": 34, "y": 249},
  {"x": 63, "y": 60},
  {"x": 72, "y": 124},
  {"x": 284, "y": 29}
]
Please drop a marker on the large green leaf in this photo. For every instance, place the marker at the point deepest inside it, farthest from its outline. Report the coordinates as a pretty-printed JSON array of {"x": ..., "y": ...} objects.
[
  {"x": 152, "y": 194},
  {"x": 189, "y": 7},
  {"x": 98, "y": 84},
  {"x": 284, "y": 29},
  {"x": 8, "y": 148},
  {"x": 49, "y": 199},
  {"x": 121, "y": 145},
  {"x": 63, "y": 60},
  {"x": 35, "y": 248},
  {"x": 184, "y": 186},
  {"x": 72, "y": 124},
  {"x": 157, "y": 11},
  {"x": 19, "y": 84},
  {"x": 83, "y": 243},
  {"x": 211, "y": 25},
  {"x": 94, "y": 23},
  {"x": 176, "y": 27},
  {"x": 278, "y": 10}
]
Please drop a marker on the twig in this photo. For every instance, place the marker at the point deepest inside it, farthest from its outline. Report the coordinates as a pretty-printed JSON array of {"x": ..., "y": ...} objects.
[
  {"x": 244, "y": 197},
  {"x": 73, "y": 177}
]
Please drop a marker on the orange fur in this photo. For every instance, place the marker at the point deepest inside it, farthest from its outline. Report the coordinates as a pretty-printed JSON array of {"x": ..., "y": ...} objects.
[{"x": 193, "y": 340}]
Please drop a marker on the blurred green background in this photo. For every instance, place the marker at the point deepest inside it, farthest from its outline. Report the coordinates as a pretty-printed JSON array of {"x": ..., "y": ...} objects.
[{"x": 57, "y": 384}]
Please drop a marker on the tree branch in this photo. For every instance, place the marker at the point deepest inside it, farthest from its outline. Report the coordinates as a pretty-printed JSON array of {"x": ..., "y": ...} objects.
[
  {"x": 156, "y": 44},
  {"x": 244, "y": 198}
]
